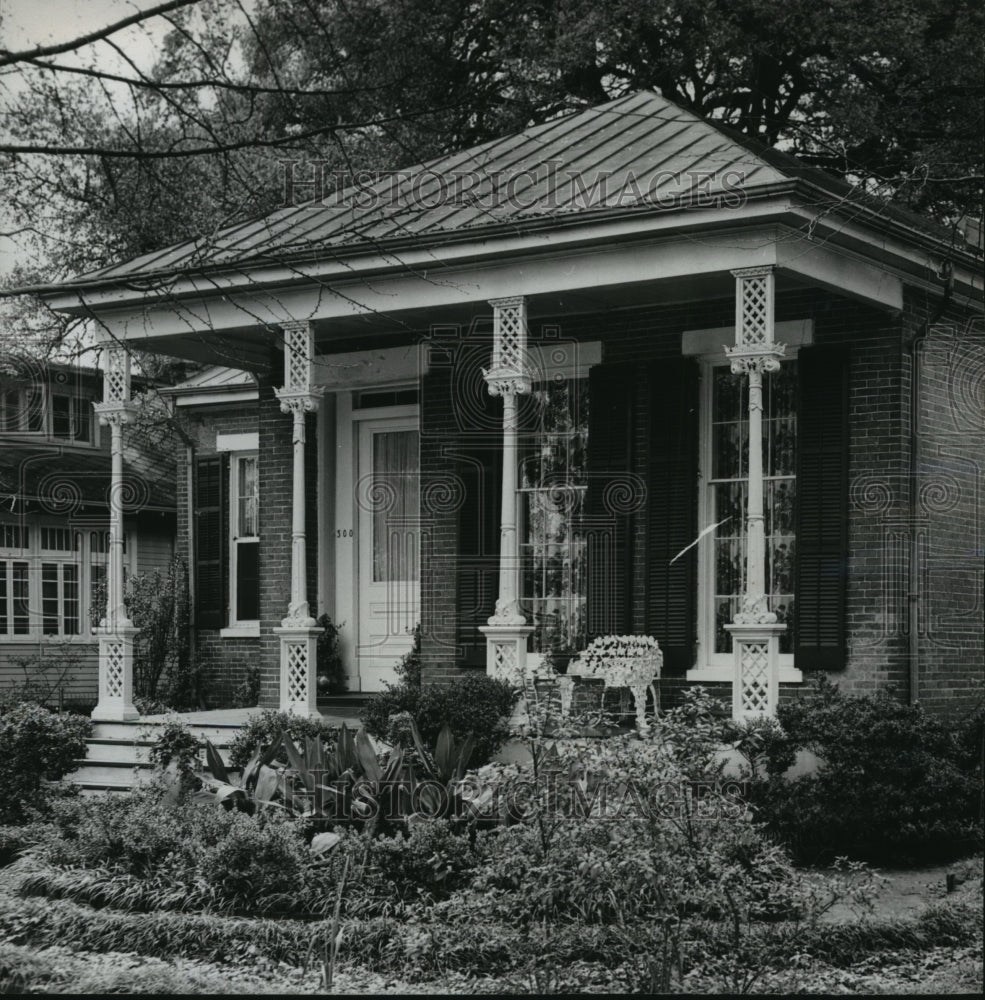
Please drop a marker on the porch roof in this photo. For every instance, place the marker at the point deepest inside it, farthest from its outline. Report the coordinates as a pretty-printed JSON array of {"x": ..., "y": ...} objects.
[
  {"x": 67, "y": 482},
  {"x": 639, "y": 152}
]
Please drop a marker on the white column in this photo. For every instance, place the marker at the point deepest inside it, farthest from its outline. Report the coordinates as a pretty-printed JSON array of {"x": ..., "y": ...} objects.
[
  {"x": 507, "y": 630},
  {"x": 298, "y": 634},
  {"x": 755, "y": 630},
  {"x": 116, "y": 632}
]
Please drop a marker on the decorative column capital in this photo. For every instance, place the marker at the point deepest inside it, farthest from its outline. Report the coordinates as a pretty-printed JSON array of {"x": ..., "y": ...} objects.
[
  {"x": 746, "y": 360},
  {"x": 115, "y": 414},
  {"x": 297, "y": 403}
]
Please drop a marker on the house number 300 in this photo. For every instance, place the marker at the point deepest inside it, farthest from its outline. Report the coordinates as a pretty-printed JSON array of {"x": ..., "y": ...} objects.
[{"x": 344, "y": 533}]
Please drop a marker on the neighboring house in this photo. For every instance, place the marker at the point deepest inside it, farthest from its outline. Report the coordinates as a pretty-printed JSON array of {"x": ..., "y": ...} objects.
[
  {"x": 493, "y": 395},
  {"x": 54, "y": 523}
]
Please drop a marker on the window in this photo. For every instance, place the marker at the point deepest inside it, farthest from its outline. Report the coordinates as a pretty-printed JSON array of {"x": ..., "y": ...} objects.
[
  {"x": 244, "y": 555},
  {"x": 724, "y": 497},
  {"x": 51, "y": 579},
  {"x": 67, "y": 418},
  {"x": 553, "y": 485},
  {"x": 22, "y": 410},
  {"x": 71, "y": 418}
]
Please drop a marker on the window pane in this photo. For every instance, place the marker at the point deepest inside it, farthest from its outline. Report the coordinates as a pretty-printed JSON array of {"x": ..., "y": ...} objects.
[
  {"x": 247, "y": 581},
  {"x": 730, "y": 455},
  {"x": 247, "y": 493},
  {"x": 35, "y": 411},
  {"x": 61, "y": 420},
  {"x": 49, "y": 598},
  {"x": 82, "y": 420},
  {"x": 97, "y": 593},
  {"x": 22, "y": 620},
  {"x": 70, "y": 599},
  {"x": 551, "y": 506},
  {"x": 4, "y": 612},
  {"x": 396, "y": 514}
]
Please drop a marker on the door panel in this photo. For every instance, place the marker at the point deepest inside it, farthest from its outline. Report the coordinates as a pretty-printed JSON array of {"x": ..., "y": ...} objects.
[{"x": 387, "y": 499}]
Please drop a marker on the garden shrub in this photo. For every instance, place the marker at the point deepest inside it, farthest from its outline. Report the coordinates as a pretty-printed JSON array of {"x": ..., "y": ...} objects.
[
  {"x": 408, "y": 670},
  {"x": 174, "y": 741},
  {"x": 330, "y": 668},
  {"x": 897, "y": 785},
  {"x": 247, "y": 693},
  {"x": 158, "y": 604},
  {"x": 475, "y": 704},
  {"x": 36, "y": 746},
  {"x": 260, "y": 731}
]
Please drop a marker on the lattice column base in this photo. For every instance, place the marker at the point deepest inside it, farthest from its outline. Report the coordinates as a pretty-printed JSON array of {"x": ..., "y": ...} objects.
[
  {"x": 506, "y": 660},
  {"x": 116, "y": 675},
  {"x": 298, "y": 670},
  {"x": 756, "y": 688}
]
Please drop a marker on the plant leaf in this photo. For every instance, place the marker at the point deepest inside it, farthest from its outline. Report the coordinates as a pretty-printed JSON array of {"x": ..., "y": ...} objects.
[
  {"x": 214, "y": 762},
  {"x": 367, "y": 756}
]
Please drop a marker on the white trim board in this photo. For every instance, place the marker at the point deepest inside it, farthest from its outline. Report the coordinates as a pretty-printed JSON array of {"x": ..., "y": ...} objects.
[
  {"x": 791, "y": 332},
  {"x": 246, "y": 441}
]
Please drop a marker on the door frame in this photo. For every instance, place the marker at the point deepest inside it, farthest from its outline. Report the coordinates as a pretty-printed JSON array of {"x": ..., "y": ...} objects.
[{"x": 345, "y": 523}]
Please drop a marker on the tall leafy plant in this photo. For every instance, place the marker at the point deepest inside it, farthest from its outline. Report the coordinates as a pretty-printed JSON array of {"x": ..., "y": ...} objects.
[{"x": 158, "y": 604}]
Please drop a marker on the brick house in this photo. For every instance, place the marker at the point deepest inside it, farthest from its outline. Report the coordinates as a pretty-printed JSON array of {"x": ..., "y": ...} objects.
[
  {"x": 624, "y": 372},
  {"x": 55, "y": 471}
]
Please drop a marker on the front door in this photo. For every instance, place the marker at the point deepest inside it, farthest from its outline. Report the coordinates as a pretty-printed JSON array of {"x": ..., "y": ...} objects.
[{"x": 388, "y": 545}]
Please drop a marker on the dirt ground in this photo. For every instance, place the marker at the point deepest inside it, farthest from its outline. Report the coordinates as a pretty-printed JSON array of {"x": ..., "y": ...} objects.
[{"x": 908, "y": 892}]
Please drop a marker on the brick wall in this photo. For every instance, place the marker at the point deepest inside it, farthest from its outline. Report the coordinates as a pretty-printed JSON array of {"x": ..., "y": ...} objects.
[
  {"x": 947, "y": 496},
  {"x": 223, "y": 662}
]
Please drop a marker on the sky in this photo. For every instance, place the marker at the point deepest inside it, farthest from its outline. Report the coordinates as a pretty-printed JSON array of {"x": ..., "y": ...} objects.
[{"x": 25, "y": 24}]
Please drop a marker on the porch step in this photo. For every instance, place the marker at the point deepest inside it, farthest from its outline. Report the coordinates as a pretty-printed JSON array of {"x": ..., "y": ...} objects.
[{"x": 118, "y": 753}]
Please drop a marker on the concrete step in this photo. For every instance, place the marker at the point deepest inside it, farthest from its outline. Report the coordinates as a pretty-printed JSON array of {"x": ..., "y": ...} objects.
[
  {"x": 145, "y": 732},
  {"x": 107, "y": 750},
  {"x": 116, "y": 773}
]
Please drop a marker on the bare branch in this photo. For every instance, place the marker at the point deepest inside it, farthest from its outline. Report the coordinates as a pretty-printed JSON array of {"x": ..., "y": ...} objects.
[{"x": 8, "y": 58}]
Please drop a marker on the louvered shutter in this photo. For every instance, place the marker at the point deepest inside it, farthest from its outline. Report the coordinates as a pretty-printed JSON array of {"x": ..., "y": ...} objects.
[
  {"x": 672, "y": 505},
  {"x": 211, "y": 534},
  {"x": 822, "y": 491},
  {"x": 608, "y": 531},
  {"x": 479, "y": 466}
]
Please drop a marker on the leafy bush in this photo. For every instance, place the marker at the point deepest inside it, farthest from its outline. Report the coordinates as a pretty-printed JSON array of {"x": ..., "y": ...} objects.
[
  {"x": 158, "y": 604},
  {"x": 260, "y": 731},
  {"x": 247, "y": 694},
  {"x": 897, "y": 785},
  {"x": 331, "y": 670},
  {"x": 176, "y": 742},
  {"x": 408, "y": 670},
  {"x": 476, "y": 704},
  {"x": 36, "y": 746}
]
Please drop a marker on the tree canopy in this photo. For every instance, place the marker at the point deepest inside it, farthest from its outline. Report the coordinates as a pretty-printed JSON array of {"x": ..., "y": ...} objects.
[{"x": 105, "y": 158}]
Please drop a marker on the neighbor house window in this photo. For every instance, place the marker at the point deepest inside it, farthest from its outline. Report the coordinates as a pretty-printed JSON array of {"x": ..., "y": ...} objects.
[
  {"x": 553, "y": 484},
  {"x": 52, "y": 579},
  {"x": 60, "y": 415},
  {"x": 244, "y": 556},
  {"x": 726, "y": 478}
]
